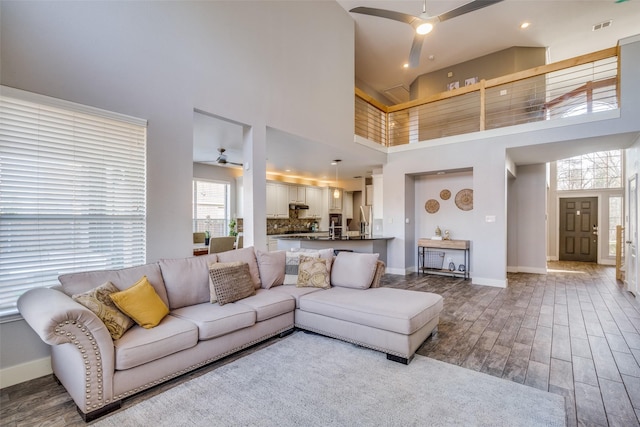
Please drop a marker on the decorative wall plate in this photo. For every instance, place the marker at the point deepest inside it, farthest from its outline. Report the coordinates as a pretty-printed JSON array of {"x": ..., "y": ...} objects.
[
  {"x": 464, "y": 199},
  {"x": 445, "y": 194},
  {"x": 432, "y": 206}
]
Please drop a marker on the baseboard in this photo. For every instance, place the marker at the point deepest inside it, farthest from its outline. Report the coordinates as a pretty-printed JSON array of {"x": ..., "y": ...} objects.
[
  {"x": 533, "y": 270},
  {"x": 490, "y": 282},
  {"x": 552, "y": 258},
  {"x": 398, "y": 271},
  {"x": 24, "y": 372}
]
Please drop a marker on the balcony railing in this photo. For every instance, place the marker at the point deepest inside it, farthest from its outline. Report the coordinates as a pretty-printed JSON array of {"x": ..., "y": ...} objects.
[{"x": 580, "y": 85}]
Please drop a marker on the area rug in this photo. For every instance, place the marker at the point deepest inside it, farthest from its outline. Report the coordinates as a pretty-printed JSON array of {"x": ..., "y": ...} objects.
[{"x": 311, "y": 380}]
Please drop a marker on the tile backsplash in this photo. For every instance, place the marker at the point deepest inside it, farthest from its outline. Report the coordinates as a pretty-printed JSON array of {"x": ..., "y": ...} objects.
[{"x": 291, "y": 224}]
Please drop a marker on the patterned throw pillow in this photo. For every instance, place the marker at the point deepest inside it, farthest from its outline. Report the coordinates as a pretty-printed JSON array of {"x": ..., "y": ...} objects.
[
  {"x": 230, "y": 281},
  {"x": 98, "y": 301},
  {"x": 314, "y": 272},
  {"x": 292, "y": 262}
]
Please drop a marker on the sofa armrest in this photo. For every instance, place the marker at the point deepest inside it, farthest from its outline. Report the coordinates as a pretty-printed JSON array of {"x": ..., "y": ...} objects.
[
  {"x": 380, "y": 268},
  {"x": 59, "y": 321}
]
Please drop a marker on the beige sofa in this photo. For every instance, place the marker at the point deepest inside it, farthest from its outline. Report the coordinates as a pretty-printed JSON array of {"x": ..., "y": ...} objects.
[{"x": 99, "y": 372}]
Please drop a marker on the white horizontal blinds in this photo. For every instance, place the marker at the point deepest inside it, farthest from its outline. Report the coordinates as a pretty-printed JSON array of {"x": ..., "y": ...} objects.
[{"x": 72, "y": 194}]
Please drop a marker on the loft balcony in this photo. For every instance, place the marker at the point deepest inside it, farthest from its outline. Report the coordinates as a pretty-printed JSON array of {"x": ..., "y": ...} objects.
[{"x": 582, "y": 85}]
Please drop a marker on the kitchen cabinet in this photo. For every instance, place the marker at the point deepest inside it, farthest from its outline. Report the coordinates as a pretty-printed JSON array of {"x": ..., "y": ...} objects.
[
  {"x": 313, "y": 197},
  {"x": 368, "y": 198},
  {"x": 297, "y": 194},
  {"x": 277, "y": 200},
  {"x": 272, "y": 243},
  {"x": 348, "y": 204},
  {"x": 335, "y": 204}
]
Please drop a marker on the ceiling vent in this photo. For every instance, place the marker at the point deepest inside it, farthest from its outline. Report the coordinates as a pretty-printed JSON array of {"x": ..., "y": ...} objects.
[
  {"x": 602, "y": 25},
  {"x": 397, "y": 94}
]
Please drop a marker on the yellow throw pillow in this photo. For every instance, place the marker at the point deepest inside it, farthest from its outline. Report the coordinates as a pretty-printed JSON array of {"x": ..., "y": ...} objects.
[{"x": 141, "y": 303}]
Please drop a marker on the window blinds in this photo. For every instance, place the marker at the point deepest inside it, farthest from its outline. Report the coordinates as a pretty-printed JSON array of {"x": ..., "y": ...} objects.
[{"x": 72, "y": 192}]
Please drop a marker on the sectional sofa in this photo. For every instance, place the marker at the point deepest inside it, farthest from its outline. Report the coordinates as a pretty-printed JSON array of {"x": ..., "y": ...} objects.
[{"x": 115, "y": 333}]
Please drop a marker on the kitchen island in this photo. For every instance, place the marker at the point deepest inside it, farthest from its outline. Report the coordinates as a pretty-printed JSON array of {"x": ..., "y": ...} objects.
[{"x": 371, "y": 245}]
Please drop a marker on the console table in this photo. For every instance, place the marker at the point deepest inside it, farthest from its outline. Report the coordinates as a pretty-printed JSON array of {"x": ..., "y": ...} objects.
[{"x": 428, "y": 245}]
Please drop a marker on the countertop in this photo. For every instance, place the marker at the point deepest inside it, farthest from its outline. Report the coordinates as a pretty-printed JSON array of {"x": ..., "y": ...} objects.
[{"x": 326, "y": 238}]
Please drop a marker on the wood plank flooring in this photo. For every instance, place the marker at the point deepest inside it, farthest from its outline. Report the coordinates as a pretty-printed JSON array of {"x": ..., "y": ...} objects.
[{"x": 573, "y": 332}]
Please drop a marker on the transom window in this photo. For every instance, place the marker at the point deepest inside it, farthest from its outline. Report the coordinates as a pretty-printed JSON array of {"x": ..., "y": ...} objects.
[{"x": 591, "y": 171}]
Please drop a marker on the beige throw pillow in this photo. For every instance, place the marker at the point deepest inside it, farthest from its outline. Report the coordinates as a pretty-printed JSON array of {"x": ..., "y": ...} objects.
[
  {"x": 271, "y": 266},
  {"x": 230, "y": 282},
  {"x": 314, "y": 272},
  {"x": 98, "y": 301}
]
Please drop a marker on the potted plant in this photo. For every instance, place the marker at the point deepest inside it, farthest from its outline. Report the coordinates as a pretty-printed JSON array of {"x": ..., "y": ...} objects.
[
  {"x": 232, "y": 228},
  {"x": 207, "y": 236}
]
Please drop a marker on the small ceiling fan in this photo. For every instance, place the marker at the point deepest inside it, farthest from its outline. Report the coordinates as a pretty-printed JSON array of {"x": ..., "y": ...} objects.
[
  {"x": 222, "y": 158},
  {"x": 423, "y": 23}
]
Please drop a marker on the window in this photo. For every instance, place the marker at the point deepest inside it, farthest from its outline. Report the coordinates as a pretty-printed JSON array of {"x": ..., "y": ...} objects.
[
  {"x": 211, "y": 207},
  {"x": 591, "y": 171},
  {"x": 72, "y": 192},
  {"x": 615, "y": 218}
]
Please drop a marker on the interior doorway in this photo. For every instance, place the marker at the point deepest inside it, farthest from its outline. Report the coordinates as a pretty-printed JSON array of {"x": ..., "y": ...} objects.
[{"x": 578, "y": 231}]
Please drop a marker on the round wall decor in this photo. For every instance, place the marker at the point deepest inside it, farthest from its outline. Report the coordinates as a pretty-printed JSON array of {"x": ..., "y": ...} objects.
[
  {"x": 445, "y": 194},
  {"x": 432, "y": 206},
  {"x": 464, "y": 199}
]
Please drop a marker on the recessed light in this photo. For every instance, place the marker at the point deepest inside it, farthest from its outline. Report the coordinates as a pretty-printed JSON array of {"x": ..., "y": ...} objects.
[
  {"x": 405, "y": 65},
  {"x": 525, "y": 25},
  {"x": 287, "y": 170}
]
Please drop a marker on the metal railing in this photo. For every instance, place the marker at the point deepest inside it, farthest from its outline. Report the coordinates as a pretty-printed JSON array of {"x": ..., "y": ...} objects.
[{"x": 580, "y": 85}]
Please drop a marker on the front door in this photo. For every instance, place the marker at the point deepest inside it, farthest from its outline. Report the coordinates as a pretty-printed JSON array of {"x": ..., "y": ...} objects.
[{"x": 579, "y": 229}]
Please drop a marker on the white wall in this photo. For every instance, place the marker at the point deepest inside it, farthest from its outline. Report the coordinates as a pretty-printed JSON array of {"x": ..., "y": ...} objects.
[
  {"x": 287, "y": 65},
  {"x": 632, "y": 167},
  {"x": 448, "y": 217},
  {"x": 528, "y": 196}
]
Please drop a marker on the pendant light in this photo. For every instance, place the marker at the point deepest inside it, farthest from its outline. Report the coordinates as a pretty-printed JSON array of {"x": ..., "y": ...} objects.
[{"x": 336, "y": 192}]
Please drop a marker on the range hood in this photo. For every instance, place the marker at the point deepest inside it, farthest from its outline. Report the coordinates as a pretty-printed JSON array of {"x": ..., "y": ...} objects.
[{"x": 298, "y": 206}]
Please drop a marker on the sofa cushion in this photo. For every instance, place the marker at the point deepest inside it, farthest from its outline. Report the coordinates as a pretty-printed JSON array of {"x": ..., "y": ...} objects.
[
  {"x": 187, "y": 279},
  {"x": 314, "y": 272},
  {"x": 395, "y": 310},
  {"x": 99, "y": 302},
  {"x": 139, "y": 346},
  {"x": 230, "y": 281},
  {"x": 294, "y": 292},
  {"x": 77, "y": 283},
  {"x": 271, "y": 266},
  {"x": 141, "y": 303},
  {"x": 353, "y": 270},
  {"x": 268, "y": 304},
  {"x": 246, "y": 255},
  {"x": 214, "y": 320}
]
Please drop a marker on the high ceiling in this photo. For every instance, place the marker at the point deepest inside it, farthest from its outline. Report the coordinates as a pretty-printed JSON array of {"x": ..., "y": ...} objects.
[{"x": 564, "y": 27}]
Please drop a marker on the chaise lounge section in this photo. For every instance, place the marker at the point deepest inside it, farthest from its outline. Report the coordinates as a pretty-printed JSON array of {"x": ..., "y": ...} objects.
[{"x": 346, "y": 302}]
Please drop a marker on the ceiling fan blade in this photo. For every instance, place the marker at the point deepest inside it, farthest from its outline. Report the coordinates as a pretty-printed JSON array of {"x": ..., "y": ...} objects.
[
  {"x": 416, "y": 48},
  {"x": 466, "y": 8},
  {"x": 382, "y": 13}
]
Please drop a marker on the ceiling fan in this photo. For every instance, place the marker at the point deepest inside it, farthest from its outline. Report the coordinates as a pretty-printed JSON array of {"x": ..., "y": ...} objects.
[
  {"x": 222, "y": 158},
  {"x": 423, "y": 23}
]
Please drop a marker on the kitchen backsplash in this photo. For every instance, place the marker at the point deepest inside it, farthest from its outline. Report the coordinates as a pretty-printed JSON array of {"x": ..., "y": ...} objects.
[{"x": 291, "y": 224}]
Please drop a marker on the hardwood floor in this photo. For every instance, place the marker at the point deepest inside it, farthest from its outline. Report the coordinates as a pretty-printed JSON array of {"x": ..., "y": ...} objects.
[{"x": 573, "y": 332}]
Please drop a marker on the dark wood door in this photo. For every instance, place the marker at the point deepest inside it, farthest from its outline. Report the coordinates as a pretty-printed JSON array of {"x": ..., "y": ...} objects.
[{"x": 579, "y": 229}]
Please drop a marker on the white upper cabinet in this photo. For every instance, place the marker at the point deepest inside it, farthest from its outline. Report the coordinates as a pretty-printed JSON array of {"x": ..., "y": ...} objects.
[
  {"x": 277, "y": 200},
  {"x": 348, "y": 204},
  {"x": 313, "y": 197},
  {"x": 297, "y": 194}
]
